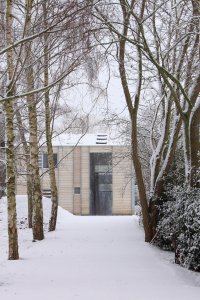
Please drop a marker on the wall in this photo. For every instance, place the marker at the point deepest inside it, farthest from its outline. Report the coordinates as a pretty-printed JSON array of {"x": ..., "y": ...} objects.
[
  {"x": 74, "y": 171},
  {"x": 122, "y": 203}
]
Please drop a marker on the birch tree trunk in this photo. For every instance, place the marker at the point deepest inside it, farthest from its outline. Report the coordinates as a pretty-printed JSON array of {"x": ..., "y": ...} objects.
[
  {"x": 38, "y": 233},
  {"x": 8, "y": 106},
  {"x": 54, "y": 192},
  {"x": 27, "y": 159}
]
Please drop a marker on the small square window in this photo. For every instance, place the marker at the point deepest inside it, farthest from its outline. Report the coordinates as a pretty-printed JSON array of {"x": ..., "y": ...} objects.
[{"x": 77, "y": 190}]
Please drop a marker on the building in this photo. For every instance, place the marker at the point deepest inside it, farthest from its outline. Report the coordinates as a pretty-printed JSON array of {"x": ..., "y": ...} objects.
[{"x": 93, "y": 173}]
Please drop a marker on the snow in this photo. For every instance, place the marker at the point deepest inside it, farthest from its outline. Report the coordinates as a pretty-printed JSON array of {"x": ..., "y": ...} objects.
[
  {"x": 90, "y": 258},
  {"x": 88, "y": 139}
]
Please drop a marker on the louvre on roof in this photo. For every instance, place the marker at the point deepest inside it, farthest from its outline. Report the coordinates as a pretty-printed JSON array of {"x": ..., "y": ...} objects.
[{"x": 100, "y": 139}]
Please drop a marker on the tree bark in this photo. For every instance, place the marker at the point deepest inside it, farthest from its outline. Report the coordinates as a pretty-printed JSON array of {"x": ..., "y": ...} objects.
[
  {"x": 54, "y": 192},
  {"x": 38, "y": 233},
  {"x": 195, "y": 149},
  {"x": 13, "y": 253},
  {"x": 147, "y": 220},
  {"x": 159, "y": 184},
  {"x": 133, "y": 110},
  {"x": 27, "y": 159}
]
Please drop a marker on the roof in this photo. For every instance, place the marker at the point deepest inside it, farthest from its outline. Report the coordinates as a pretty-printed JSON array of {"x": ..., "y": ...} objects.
[{"x": 88, "y": 139}]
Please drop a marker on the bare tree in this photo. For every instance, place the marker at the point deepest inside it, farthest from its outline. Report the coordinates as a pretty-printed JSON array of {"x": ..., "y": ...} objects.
[
  {"x": 26, "y": 150},
  {"x": 38, "y": 233},
  {"x": 159, "y": 42},
  {"x": 54, "y": 192},
  {"x": 10, "y": 170}
]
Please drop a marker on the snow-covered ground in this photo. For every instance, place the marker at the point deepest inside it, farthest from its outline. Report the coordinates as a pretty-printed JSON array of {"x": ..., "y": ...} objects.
[{"x": 90, "y": 258}]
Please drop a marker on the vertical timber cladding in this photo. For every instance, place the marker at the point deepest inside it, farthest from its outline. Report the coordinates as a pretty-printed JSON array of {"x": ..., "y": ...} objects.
[
  {"x": 66, "y": 178},
  {"x": 77, "y": 181},
  {"x": 101, "y": 183},
  {"x": 122, "y": 174}
]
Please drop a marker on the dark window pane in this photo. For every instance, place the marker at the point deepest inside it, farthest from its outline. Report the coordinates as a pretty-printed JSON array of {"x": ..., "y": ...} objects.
[
  {"x": 77, "y": 190},
  {"x": 102, "y": 158},
  {"x": 102, "y": 168},
  {"x": 105, "y": 187},
  {"x": 45, "y": 160},
  {"x": 55, "y": 158},
  {"x": 105, "y": 178},
  {"x": 101, "y": 183}
]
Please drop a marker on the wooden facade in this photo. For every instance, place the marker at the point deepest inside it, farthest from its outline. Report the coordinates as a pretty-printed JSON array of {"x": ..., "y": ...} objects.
[{"x": 73, "y": 178}]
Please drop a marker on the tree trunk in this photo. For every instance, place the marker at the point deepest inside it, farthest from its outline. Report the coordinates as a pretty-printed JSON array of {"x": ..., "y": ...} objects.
[
  {"x": 133, "y": 111},
  {"x": 157, "y": 156},
  {"x": 38, "y": 233},
  {"x": 10, "y": 168},
  {"x": 27, "y": 159},
  {"x": 159, "y": 185},
  {"x": 195, "y": 149},
  {"x": 30, "y": 198},
  {"x": 187, "y": 149},
  {"x": 12, "y": 213},
  {"x": 54, "y": 192},
  {"x": 148, "y": 226}
]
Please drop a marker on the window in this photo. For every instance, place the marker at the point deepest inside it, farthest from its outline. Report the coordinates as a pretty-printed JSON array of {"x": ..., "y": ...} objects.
[
  {"x": 45, "y": 163},
  {"x": 102, "y": 168},
  {"x": 105, "y": 187},
  {"x": 77, "y": 190},
  {"x": 105, "y": 178}
]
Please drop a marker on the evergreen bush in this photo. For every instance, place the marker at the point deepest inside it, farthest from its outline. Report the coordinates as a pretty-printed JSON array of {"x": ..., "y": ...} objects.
[{"x": 179, "y": 226}]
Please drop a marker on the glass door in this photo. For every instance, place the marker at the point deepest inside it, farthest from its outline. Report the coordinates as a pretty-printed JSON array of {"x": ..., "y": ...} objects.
[{"x": 101, "y": 183}]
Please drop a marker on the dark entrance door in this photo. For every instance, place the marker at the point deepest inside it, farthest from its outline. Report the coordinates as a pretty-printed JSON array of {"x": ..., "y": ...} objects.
[{"x": 101, "y": 183}]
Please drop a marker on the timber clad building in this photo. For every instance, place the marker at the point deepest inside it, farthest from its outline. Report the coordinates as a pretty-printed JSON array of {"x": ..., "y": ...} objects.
[{"x": 94, "y": 175}]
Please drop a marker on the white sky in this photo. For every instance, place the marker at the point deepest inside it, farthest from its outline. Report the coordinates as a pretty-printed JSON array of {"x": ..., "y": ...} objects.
[{"x": 95, "y": 102}]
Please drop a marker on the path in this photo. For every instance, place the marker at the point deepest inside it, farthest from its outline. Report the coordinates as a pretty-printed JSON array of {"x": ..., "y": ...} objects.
[{"x": 95, "y": 258}]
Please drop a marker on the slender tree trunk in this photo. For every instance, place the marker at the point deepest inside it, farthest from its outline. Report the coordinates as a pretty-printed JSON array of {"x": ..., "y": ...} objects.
[
  {"x": 133, "y": 110},
  {"x": 12, "y": 213},
  {"x": 187, "y": 149},
  {"x": 27, "y": 158},
  {"x": 158, "y": 153},
  {"x": 30, "y": 196},
  {"x": 38, "y": 233},
  {"x": 54, "y": 192},
  {"x": 195, "y": 149},
  {"x": 159, "y": 185},
  {"x": 8, "y": 106},
  {"x": 147, "y": 220}
]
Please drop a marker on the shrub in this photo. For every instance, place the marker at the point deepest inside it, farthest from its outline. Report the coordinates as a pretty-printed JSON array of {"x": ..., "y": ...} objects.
[{"x": 179, "y": 226}]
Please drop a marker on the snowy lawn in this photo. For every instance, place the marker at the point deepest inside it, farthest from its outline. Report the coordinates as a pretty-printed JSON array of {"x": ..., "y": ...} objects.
[{"x": 90, "y": 258}]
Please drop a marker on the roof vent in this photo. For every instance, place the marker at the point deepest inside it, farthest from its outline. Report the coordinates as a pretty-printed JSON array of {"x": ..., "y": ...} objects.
[{"x": 101, "y": 139}]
